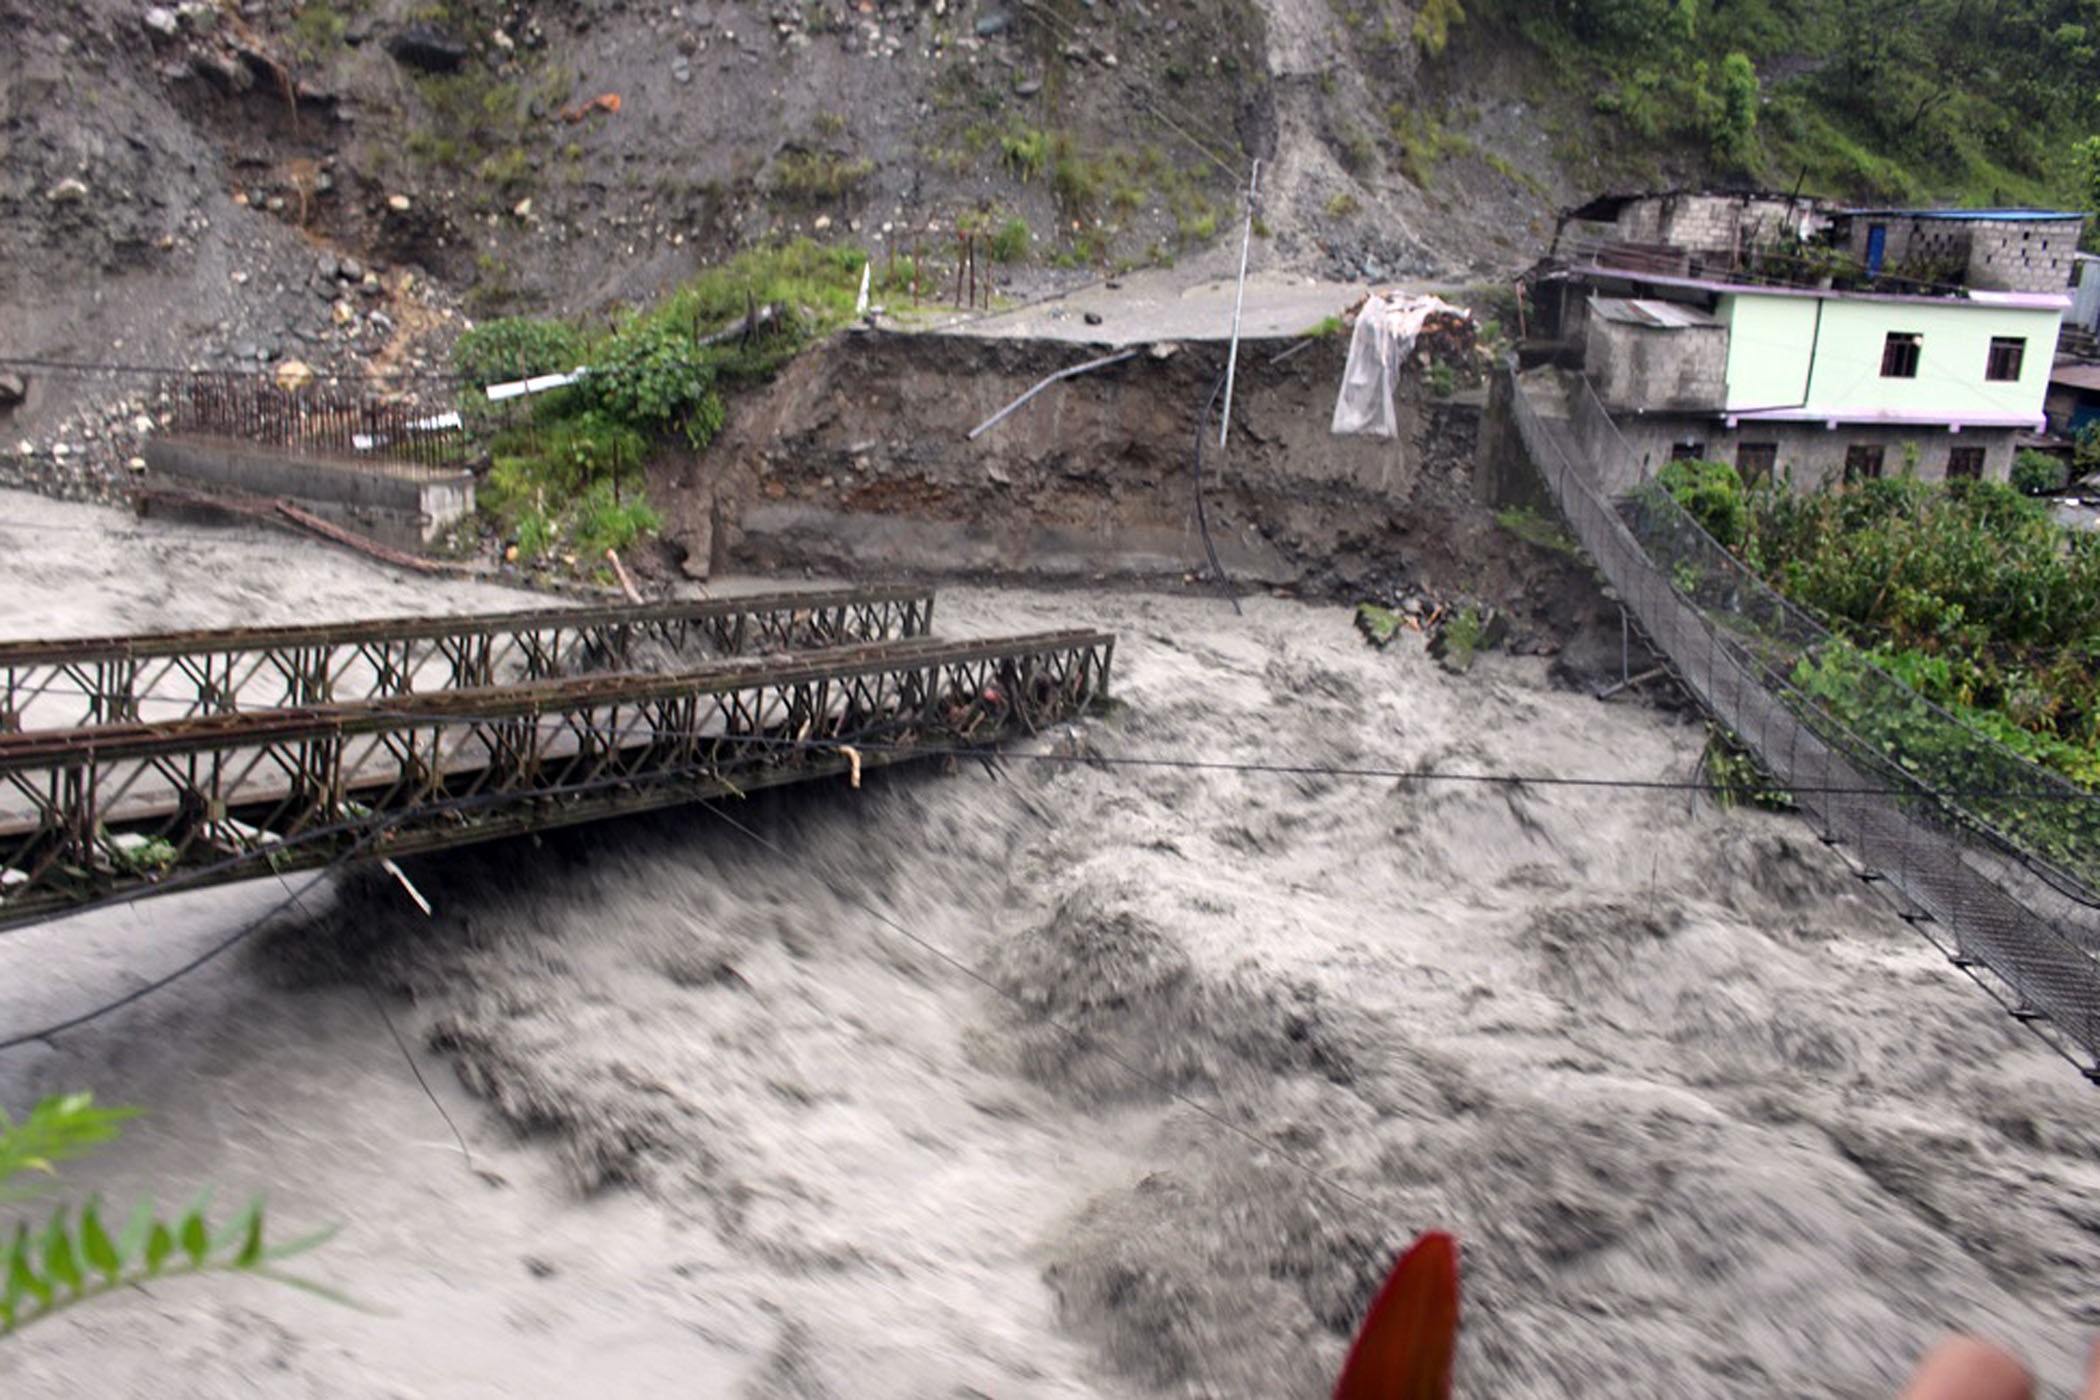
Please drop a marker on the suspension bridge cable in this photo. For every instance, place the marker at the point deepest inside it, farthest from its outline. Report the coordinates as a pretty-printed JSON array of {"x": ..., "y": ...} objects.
[
  {"x": 1376, "y": 771},
  {"x": 210, "y": 954}
]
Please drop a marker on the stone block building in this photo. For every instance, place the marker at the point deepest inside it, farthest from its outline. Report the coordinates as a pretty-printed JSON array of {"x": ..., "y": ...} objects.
[
  {"x": 1995, "y": 250},
  {"x": 1704, "y": 224},
  {"x": 1655, "y": 356}
]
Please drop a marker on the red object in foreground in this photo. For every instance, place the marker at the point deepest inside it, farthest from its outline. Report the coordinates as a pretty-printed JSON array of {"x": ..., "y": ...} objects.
[{"x": 1404, "y": 1349}]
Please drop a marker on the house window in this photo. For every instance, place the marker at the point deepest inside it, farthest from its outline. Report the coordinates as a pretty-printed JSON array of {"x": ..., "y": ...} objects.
[
  {"x": 1754, "y": 462},
  {"x": 2007, "y": 353},
  {"x": 1964, "y": 464},
  {"x": 1899, "y": 355},
  {"x": 1863, "y": 461},
  {"x": 1687, "y": 451}
]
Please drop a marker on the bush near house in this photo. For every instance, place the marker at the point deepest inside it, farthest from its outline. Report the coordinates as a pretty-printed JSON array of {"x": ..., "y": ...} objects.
[
  {"x": 2038, "y": 473},
  {"x": 1966, "y": 591},
  {"x": 1713, "y": 493}
]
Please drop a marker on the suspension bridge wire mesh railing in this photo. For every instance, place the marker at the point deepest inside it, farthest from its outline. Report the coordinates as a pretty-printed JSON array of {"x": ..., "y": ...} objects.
[
  {"x": 2023, "y": 811},
  {"x": 1754, "y": 661}
]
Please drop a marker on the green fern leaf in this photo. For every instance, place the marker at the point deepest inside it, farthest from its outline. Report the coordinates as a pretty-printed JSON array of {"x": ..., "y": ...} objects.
[
  {"x": 95, "y": 1245},
  {"x": 131, "y": 1240},
  {"x": 159, "y": 1245},
  {"x": 22, "y": 1277},
  {"x": 61, "y": 1265},
  {"x": 195, "y": 1241}
]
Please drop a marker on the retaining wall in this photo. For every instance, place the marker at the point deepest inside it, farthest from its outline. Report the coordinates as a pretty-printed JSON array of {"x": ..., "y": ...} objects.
[{"x": 391, "y": 502}]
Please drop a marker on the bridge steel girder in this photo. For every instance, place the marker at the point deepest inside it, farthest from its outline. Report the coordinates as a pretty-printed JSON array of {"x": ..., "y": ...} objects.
[
  {"x": 111, "y": 812},
  {"x": 55, "y": 685}
]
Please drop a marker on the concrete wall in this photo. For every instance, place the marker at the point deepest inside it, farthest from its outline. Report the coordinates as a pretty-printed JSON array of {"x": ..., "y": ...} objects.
[
  {"x": 2002, "y": 255},
  {"x": 1771, "y": 335},
  {"x": 1810, "y": 454},
  {"x": 430, "y": 503},
  {"x": 2024, "y": 257},
  {"x": 1712, "y": 223},
  {"x": 2085, "y": 299},
  {"x": 1653, "y": 367}
]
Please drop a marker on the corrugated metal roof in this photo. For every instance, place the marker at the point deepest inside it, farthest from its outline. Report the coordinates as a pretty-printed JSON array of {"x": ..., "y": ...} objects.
[
  {"x": 1658, "y": 315},
  {"x": 2076, "y": 376}
]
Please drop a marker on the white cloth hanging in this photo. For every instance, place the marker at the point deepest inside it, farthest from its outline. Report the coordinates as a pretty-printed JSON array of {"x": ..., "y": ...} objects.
[{"x": 1386, "y": 328}]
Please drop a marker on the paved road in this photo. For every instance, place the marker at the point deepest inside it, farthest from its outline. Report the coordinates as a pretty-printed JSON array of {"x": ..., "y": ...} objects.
[{"x": 1161, "y": 304}]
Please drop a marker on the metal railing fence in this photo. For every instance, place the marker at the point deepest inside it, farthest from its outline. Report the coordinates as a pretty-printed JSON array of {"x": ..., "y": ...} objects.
[
  {"x": 2032, "y": 815},
  {"x": 1940, "y": 831},
  {"x": 325, "y": 418}
]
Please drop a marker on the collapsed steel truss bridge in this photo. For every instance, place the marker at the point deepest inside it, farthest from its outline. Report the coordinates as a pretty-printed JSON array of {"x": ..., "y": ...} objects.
[{"x": 130, "y": 807}]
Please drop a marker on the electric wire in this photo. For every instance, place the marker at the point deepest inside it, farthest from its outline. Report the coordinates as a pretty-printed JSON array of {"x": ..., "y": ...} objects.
[
  {"x": 210, "y": 954},
  {"x": 378, "y": 708},
  {"x": 400, "y": 1044},
  {"x": 834, "y": 748},
  {"x": 1392, "y": 771},
  {"x": 866, "y": 741},
  {"x": 417, "y": 1070},
  {"x": 1210, "y": 551},
  {"x": 870, "y": 741}
]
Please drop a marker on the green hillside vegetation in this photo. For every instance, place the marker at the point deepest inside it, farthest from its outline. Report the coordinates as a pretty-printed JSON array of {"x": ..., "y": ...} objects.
[
  {"x": 1908, "y": 101},
  {"x": 1960, "y": 608},
  {"x": 565, "y": 467}
]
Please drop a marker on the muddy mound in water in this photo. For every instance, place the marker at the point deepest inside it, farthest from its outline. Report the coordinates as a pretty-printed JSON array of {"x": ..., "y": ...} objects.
[{"x": 1109, "y": 1006}]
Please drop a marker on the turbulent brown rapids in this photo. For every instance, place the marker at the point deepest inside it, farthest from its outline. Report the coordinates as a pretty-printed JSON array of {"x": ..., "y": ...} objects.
[{"x": 1113, "y": 1070}]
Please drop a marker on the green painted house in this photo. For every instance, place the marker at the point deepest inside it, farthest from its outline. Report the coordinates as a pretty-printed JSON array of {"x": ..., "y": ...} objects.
[{"x": 1817, "y": 344}]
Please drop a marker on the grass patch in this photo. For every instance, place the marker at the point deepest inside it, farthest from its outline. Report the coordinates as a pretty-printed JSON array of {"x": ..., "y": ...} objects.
[
  {"x": 1420, "y": 143},
  {"x": 569, "y": 475},
  {"x": 1532, "y": 527},
  {"x": 317, "y": 31},
  {"x": 509, "y": 171},
  {"x": 1011, "y": 242},
  {"x": 1026, "y": 152},
  {"x": 1357, "y": 150},
  {"x": 819, "y": 177}
]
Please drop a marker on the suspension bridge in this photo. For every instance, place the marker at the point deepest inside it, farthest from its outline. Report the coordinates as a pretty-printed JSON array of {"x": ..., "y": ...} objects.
[
  {"x": 133, "y": 766},
  {"x": 2024, "y": 928}
]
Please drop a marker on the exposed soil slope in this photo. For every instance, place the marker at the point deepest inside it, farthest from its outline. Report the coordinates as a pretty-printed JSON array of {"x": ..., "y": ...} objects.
[
  {"x": 858, "y": 460},
  {"x": 231, "y": 184}
]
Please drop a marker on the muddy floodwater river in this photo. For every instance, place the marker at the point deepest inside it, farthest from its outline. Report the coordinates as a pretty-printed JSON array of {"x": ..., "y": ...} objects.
[{"x": 1119, "y": 1068}]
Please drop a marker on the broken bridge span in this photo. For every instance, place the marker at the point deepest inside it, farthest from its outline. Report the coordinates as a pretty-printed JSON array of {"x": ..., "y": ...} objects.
[{"x": 132, "y": 766}]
